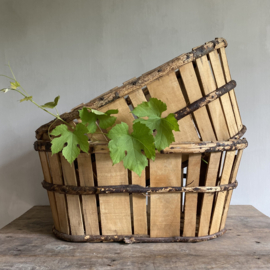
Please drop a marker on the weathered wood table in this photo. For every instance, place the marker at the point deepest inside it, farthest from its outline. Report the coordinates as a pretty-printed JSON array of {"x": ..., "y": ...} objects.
[{"x": 27, "y": 243}]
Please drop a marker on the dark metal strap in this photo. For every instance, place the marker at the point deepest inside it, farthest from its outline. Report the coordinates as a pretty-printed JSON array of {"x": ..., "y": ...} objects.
[
  {"x": 205, "y": 100},
  {"x": 129, "y": 239},
  {"x": 76, "y": 190},
  {"x": 239, "y": 134}
]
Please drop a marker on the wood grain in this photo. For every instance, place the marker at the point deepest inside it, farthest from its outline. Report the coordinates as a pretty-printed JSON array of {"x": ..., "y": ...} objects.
[
  {"x": 165, "y": 212},
  {"x": 57, "y": 178},
  {"x": 47, "y": 177},
  {"x": 114, "y": 208},
  {"x": 175, "y": 101},
  {"x": 89, "y": 204},
  {"x": 220, "y": 201},
  {"x": 228, "y": 78},
  {"x": 73, "y": 201}
]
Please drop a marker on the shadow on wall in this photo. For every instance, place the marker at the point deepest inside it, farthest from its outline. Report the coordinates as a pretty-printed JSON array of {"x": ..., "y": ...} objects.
[{"x": 20, "y": 186}]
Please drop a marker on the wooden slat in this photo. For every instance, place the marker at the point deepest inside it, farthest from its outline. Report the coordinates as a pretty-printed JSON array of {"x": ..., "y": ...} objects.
[
  {"x": 219, "y": 205},
  {"x": 168, "y": 90},
  {"x": 89, "y": 204},
  {"x": 57, "y": 178},
  {"x": 124, "y": 114},
  {"x": 225, "y": 99},
  {"x": 139, "y": 206},
  {"x": 165, "y": 212},
  {"x": 232, "y": 92},
  {"x": 229, "y": 195},
  {"x": 47, "y": 177},
  {"x": 139, "y": 200},
  {"x": 114, "y": 208},
  {"x": 207, "y": 201},
  {"x": 215, "y": 108},
  {"x": 190, "y": 208},
  {"x": 194, "y": 93},
  {"x": 73, "y": 201},
  {"x": 137, "y": 97}
]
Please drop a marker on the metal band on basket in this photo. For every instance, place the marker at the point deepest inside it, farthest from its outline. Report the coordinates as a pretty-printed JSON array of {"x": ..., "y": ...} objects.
[
  {"x": 130, "y": 239},
  {"x": 76, "y": 190}
]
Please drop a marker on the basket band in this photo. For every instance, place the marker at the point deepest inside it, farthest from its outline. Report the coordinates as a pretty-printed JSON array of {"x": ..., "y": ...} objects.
[
  {"x": 205, "y": 100},
  {"x": 76, "y": 190},
  {"x": 129, "y": 239}
]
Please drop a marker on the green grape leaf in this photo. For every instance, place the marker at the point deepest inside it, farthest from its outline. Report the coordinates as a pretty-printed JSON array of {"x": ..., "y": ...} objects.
[
  {"x": 89, "y": 118},
  {"x": 14, "y": 85},
  {"x": 164, "y": 126},
  {"x": 52, "y": 104},
  {"x": 128, "y": 147},
  {"x": 73, "y": 139},
  {"x": 26, "y": 99}
]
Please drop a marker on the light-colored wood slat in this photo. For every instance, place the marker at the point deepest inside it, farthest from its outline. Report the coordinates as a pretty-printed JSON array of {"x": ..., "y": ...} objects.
[
  {"x": 168, "y": 90},
  {"x": 194, "y": 93},
  {"x": 47, "y": 178},
  {"x": 225, "y": 99},
  {"x": 165, "y": 212},
  {"x": 207, "y": 133},
  {"x": 89, "y": 204},
  {"x": 57, "y": 178},
  {"x": 232, "y": 92},
  {"x": 73, "y": 201},
  {"x": 138, "y": 200},
  {"x": 207, "y": 202},
  {"x": 137, "y": 97},
  {"x": 229, "y": 196},
  {"x": 114, "y": 208},
  {"x": 219, "y": 205},
  {"x": 215, "y": 108},
  {"x": 139, "y": 206},
  {"x": 124, "y": 114},
  {"x": 191, "y": 199}
]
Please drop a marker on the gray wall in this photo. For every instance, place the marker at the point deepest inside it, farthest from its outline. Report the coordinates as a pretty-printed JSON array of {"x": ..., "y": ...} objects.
[{"x": 79, "y": 49}]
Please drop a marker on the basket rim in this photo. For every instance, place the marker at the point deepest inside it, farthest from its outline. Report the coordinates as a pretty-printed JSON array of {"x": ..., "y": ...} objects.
[{"x": 137, "y": 83}]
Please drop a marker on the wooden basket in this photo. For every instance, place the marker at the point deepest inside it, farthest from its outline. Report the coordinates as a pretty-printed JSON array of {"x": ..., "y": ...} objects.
[{"x": 178, "y": 197}]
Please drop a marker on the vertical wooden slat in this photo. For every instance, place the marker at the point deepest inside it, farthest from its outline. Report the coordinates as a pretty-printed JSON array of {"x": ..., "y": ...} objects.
[
  {"x": 47, "y": 177},
  {"x": 73, "y": 201},
  {"x": 215, "y": 108},
  {"x": 190, "y": 210},
  {"x": 89, "y": 204},
  {"x": 232, "y": 92},
  {"x": 139, "y": 206},
  {"x": 219, "y": 205},
  {"x": 137, "y": 97},
  {"x": 207, "y": 133},
  {"x": 57, "y": 178},
  {"x": 168, "y": 90},
  {"x": 165, "y": 208},
  {"x": 221, "y": 131},
  {"x": 138, "y": 200},
  {"x": 229, "y": 196},
  {"x": 207, "y": 201},
  {"x": 114, "y": 208},
  {"x": 225, "y": 99},
  {"x": 194, "y": 93},
  {"x": 124, "y": 114}
]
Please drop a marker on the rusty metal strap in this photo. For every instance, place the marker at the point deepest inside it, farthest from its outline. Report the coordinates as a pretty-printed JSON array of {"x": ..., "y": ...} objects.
[
  {"x": 205, "y": 100},
  {"x": 76, "y": 190},
  {"x": 130, "y": 239}
]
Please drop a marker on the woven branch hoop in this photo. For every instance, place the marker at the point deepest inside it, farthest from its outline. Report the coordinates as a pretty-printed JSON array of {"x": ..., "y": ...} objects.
[{"x": 184, "y": 195}]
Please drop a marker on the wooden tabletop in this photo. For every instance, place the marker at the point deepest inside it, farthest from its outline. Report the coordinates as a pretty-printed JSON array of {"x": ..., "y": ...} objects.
[{"x": 27, "y": 243}]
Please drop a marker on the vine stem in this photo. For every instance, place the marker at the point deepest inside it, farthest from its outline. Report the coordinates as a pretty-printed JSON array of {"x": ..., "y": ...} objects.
[{"x": 56, "y": 116}]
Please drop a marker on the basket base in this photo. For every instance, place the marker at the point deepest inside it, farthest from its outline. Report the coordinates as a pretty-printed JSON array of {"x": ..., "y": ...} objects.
[{"x": 130, "y": 239}]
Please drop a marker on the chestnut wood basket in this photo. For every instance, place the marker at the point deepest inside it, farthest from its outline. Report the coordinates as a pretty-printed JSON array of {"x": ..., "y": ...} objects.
[{"x": 185, "y": 194}]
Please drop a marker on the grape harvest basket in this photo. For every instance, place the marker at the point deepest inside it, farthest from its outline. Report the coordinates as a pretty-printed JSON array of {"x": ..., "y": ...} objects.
[{"x": 182, "y": 196}]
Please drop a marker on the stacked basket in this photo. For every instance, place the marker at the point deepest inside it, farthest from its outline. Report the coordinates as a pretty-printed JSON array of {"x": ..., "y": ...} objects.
[{"x": 179, "y": 196}]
